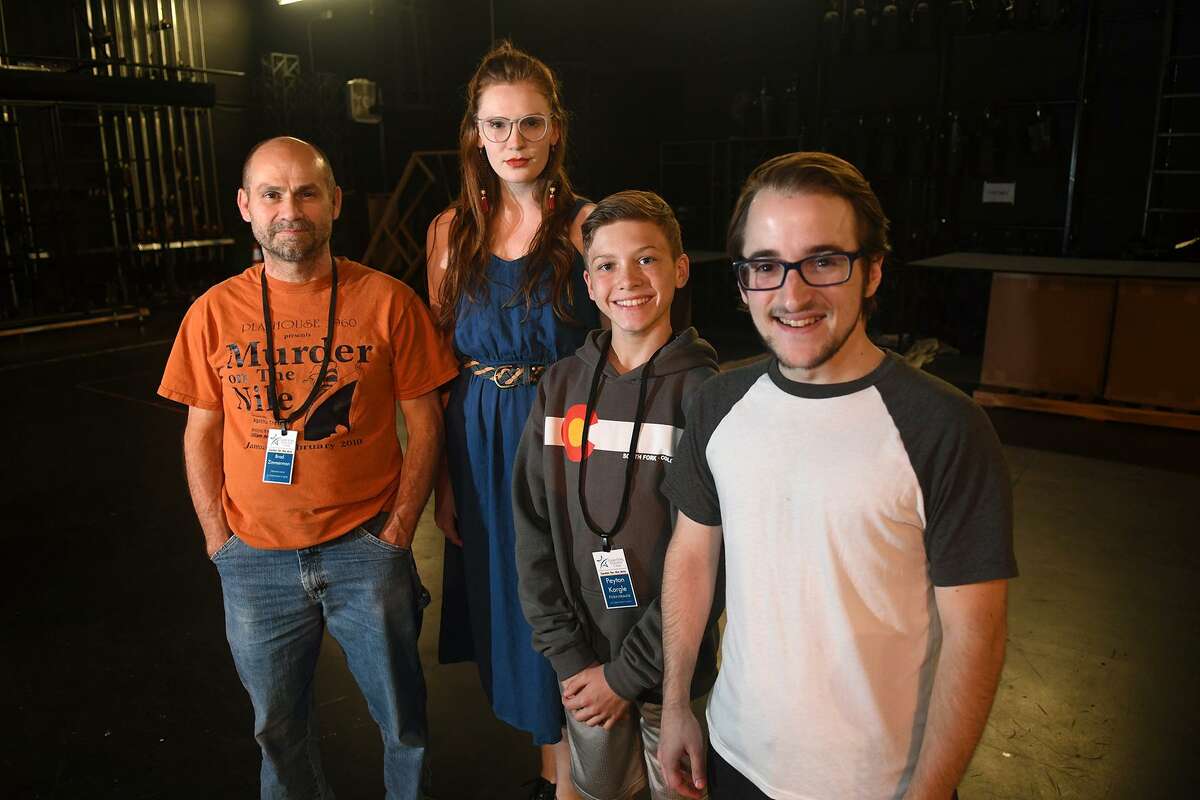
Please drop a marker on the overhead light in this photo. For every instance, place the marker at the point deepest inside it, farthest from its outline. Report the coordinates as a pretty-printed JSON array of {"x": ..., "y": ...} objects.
[{"x": 286, "y": 2}]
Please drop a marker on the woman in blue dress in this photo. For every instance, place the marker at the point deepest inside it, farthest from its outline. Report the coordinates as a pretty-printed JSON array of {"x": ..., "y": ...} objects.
[{"x": 506, "y": 278}]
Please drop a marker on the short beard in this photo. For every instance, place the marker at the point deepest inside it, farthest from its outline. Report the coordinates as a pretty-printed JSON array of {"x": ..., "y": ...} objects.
[
  {"x": 295, "y": 251},
  {"x": 825, "y": 353}
]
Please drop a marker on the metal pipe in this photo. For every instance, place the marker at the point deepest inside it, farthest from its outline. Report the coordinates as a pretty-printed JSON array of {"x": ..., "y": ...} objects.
[
  {"x": 53, "y": 152},
  {"x": 139, "y": 156},
  {"x": 117, "y": 39},
  {"x": 187, "y": 244},
  {"x": 173, "y": 167},
  {"x": 91, "y": 26},
  {"x": 163, "y": 189},
  {"x": 151, "y": 198},
  {"x": 140, "y": 314},
  {"x": 111, "y": 47},
  {"x": 189, "y": 178},
  {"x": 135, "y": 176},
  {"x": 187, "y": 19},
  {"x": 8, "y": 249},
  {"x": 112, "y": 210},
  {"x": 175, "y": 38},
  {"x": 201, "y": 170},
  {"x": 1168, "y": 36},
  {"x": 200, "y": 33},
  {"x": 182, "y": 225},
  {"x": 183, "y": 133},
  {"x": 23, "y": 199},
  {"x": 154, "y": 33},
  {"x": 199, "y": 177},
  {"x": 126, "y": 205},
  {"x": 105, "y": 62},
  {"x": 26, "y": 211},
  {"x": 134, "y": 50},
  {"x": 155, "y": 115},
  {"x": 215, "y": 225},
  {"x": 1077, "y": 136},
  {"x": 120, "y": 47},
  {"x": 150, "y": 206},
  {"x": 183, "y": 28},
  {"x": 3, "y": 31}
]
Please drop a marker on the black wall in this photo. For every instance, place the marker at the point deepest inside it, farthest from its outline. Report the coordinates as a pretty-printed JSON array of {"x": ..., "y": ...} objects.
[{"x": 927, "y": 122}]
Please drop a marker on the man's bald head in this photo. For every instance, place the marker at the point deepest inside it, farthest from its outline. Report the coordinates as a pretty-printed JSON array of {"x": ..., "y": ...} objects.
[
  {"x": 290, "y": 199},
  {"x": 288, "y": 146}
]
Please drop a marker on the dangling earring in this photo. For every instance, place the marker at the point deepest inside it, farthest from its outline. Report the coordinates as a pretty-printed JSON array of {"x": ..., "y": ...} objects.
[
  {"x": 550, "y": 201},
  {"x": 483, "y": 201}
]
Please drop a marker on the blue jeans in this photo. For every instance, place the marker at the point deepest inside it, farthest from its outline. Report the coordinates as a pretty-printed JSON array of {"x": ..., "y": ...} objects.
[{"x": 277, "y": 606}]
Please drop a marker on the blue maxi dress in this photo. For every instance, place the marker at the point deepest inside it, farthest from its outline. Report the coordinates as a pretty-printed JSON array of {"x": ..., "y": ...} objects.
[{"x": 481, "y": 613}]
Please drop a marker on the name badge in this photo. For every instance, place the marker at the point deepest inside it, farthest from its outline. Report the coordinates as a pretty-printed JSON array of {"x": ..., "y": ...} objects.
[
  {"x": 281, "y": 455},
  {"x": 614, "y": 579}
]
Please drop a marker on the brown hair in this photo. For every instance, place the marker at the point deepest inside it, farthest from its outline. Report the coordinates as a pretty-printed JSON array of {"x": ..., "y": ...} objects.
[
  {"x": 468, "y": 248},
  {"x": 637, "y": 206},
  {"x": 815, "y": 173}
]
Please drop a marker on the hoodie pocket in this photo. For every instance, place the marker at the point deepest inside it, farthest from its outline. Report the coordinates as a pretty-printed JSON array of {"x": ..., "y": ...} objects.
[{"x": 609, "y": 626}]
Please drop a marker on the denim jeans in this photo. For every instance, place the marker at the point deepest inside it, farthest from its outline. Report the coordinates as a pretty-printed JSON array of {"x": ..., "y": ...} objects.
[{"x": 277, "y": 606}]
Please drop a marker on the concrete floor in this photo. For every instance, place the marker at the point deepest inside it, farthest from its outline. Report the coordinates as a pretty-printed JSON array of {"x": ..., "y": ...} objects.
[{"x": 120, "y": 684}]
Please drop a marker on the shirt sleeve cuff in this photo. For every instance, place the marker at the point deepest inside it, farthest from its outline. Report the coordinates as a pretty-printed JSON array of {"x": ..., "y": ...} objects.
[
  {"x": 189, "y": 400},
  {"x": 572, "y": 661}
]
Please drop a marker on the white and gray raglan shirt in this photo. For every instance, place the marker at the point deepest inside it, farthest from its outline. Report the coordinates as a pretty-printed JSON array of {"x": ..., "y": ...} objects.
[{"x": 842, "y": 506}]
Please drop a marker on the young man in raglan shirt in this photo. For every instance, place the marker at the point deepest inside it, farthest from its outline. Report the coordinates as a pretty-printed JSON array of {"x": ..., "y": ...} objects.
[
  {"x": 865, "y": 512},
  {"x": 592, "y": 524},
  {"x": 292, "y": 371}
]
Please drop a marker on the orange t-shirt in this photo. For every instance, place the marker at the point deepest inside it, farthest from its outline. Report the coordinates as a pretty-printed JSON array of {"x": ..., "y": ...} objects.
[{"x": 348, "y": 459}]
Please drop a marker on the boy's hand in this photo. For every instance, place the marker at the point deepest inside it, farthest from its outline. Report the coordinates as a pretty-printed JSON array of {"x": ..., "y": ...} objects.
[
  {"x": 588, "y": 697},
  {"x": 681, "y": 751}
]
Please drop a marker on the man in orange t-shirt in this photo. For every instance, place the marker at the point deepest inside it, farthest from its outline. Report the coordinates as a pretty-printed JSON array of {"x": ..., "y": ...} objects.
[{"x": 292, "y": 371}]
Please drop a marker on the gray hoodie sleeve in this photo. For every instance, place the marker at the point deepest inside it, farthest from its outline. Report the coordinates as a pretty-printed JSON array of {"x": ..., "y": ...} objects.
[
  {"x": 558, "y": 633},
  {"x": 639, "y": 666}
]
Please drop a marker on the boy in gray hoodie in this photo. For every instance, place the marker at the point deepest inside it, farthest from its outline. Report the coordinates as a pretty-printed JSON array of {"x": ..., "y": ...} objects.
[{"x": 592, "y": 526}]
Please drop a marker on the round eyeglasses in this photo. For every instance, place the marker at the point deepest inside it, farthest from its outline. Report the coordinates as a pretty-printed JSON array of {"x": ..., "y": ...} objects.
[
  {"x": 825, "y": 269},
  {"x": 533, "y": 127}
]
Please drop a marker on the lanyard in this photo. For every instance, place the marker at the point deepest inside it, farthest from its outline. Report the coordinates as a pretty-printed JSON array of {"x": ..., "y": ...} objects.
[
  {"x": 272, "y": 390},
  {"x": 607, "y": 536}
]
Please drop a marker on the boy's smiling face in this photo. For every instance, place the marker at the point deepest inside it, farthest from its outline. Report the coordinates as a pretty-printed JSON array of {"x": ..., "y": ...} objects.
[{"x": 632, "y": 276}]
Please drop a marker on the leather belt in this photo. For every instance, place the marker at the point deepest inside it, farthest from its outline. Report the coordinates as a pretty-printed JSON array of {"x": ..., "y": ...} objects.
[{"x": 506, "y": 376}]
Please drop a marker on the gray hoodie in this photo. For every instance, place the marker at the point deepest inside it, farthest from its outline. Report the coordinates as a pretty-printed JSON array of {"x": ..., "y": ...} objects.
[{"x": 559, "y": 588}]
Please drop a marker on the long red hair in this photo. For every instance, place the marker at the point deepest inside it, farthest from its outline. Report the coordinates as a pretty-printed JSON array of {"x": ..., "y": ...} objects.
[{"x": 552, "y": 254}]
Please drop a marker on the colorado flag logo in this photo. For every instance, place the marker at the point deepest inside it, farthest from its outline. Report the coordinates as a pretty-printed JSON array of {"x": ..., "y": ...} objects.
[{"x": 655, "y": 439}]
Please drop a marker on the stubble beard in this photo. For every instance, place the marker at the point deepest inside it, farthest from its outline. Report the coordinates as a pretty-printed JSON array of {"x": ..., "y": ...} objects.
[
  {"x": 830, "y": 349},
  {"x": 293, "y": 251}
]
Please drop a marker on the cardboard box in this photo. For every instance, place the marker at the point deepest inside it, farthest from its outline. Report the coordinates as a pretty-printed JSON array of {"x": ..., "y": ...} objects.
[
  {"x": 1155, "y": 354},
  {"x": 1048, "y": 333}
]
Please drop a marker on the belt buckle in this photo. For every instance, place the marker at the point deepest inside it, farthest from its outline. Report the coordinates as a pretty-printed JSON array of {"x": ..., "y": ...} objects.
[{"x": 507, "y": 376}]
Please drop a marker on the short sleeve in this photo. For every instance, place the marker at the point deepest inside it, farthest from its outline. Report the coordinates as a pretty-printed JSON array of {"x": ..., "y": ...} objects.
[
  {"x": 689, "y": 483},
  {"x": 189, "y": 376},
  {"x": 964, "y": 479},
  {"x": 421, "y": 358},
  {"x": 969, "y": 515}
]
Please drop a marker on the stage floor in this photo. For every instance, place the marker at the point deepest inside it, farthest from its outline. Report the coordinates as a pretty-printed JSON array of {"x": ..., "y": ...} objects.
[{"x": 119, "y": 683}]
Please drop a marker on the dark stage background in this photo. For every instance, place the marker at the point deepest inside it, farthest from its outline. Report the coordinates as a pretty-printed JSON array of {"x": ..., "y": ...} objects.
[{"x": 931, "y": 99}]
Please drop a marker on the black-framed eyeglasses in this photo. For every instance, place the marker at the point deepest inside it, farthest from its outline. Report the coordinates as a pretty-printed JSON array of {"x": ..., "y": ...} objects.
[
  {"x": 533, "y": 127},
  {"x": 824, "y": 269}
]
